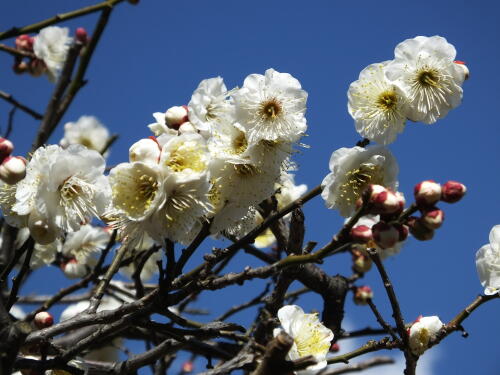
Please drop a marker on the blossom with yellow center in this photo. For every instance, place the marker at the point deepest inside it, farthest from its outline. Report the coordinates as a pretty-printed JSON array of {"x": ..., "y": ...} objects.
[
  {"x": 377, "y": 106},
  {"x": 310, "y": 337},
  {"x": 352, "y": 170}
]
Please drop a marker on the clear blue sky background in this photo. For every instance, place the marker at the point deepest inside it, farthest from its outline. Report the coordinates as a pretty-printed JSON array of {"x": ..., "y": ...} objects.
[{"x": 153, "y": 55}]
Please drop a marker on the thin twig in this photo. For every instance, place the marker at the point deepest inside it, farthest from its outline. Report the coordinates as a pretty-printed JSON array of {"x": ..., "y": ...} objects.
[
  {"x": 10, "y": 99},
  {"x": 15, "y": 31}
]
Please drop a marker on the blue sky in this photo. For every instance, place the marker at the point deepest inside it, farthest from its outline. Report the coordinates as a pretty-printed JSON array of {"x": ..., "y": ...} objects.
[{"x": 153, "y": 56}]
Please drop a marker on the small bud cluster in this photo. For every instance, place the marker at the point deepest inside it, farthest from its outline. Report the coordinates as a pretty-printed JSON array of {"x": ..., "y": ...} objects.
[
  {"x": 378, "y": 200},
  {"x": 12, "y": 168},
  {"x": 427, "y": 194}
]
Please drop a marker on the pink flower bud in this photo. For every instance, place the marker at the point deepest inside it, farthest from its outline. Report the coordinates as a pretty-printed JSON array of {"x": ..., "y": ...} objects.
[
  {"x": 25, "y": 43},
  {"x": 385, "y": 201},
  {"x": 145, "y": 150},
  {"x": 419, "y": 230},
  {"x": 360, "y": 262},
  {"x": 427, "y": 193},
  {"x": 386, "y": 235},
  {"x": 361, "y": 234},
  {"x": 37, "y": 67},
  {"x": 43, "y": 319},
  {"x": 6, "y": 148},
  {"x": 13, "y": 169},
  {"x": 187, "y": 366},
  {"x": 465, "y": 70},
  {"x": 176, "y": 116},
  {"x": 335, "y": 347},
  {"x": 453, "y": 191},
  {"x": 432, "y": 218},
  {"x": 81, "y": 35},
  {"x": 74, "y": 270},
  {"x": 362, "y": 295}
]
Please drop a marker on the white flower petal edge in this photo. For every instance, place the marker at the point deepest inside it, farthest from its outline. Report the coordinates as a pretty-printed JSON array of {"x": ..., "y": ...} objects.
[
  {"x": 488, "y": 263},
  {"x": 87, "y": 131},
  {"x": 309, "y": 335}
]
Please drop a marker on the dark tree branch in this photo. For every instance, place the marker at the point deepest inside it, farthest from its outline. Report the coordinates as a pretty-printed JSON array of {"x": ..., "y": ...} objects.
[{"x": 10, "y": 99}]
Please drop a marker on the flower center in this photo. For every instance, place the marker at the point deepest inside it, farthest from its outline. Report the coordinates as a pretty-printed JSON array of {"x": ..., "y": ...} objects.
[
  {"x": 85, "y": 141},
  {"x": 186, "y": 155},
  {"x": 271, "y": 109},
  {"x": 428, "y": 77},
  {"x": 245, "y": 170},
  {"x": 240, "y": 143},
  {"x": 77, "y": 197},
  {"x": 387, "y": 100},
  {"x": 135, "y": 193},
  {"x": 358, "y": 179},
  {"x": 310, "y": 340}
]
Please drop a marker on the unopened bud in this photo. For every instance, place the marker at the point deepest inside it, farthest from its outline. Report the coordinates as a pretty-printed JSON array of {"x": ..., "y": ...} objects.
[
  {"x": 427, "y": 193},
  {"x": 74, "y": 270},
  {"x": 20, "y": 67},
  {"x": 145, "y": 150},
  {"x": 419, "y": 230},
  {"x": 452, "y": 191},
  {"x": 41, "y": 229},
  {"x": 187, "y": 366},
  {"x": 385, "y": 201},
  {"x": 25, "y": 43},
  {"x": 13, "y": 169},
  {"x": 37, "y": 67},
  {"x": 386, "y": 235},
  {"x": 361, "y": 234},
  {"x": 335, "y": 347},
  {"x": 362, "y": 295},
  {"x": 81, "y": 35},
  {"x": 361, "y": 262},
  {"x": 43, "y": 319},
  {"x": 6, "y": 148},
  {"x": 465, "y": 70},
  {"x": 432, "y": 218},
  {"x": 186, "y": 128},
  {"x": 176, "y": 116}
]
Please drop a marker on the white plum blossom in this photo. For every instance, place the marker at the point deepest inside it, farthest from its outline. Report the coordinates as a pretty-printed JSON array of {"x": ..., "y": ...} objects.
[
  {"x": 7, "y": 201},
  {"x": 352, "y": 170},
  {"x": 488, "y": 263},
  {"x": 63, "y": 189},
  {"x": 271, "y": 107},
  {"x": 87, "y": 131},
  {"x": 161, "y": 125},
  {"x": 84, "y": 244},
  {"x": 310, "y": 337},
  {"x": 185, "y": 155},
  {"x": 422, "y": 332},
  {"x": 210, "y": 106},
  {"x": 44, "y": 255},
  {"x": 377, "y": 106},
  {"x": 425, "y": 71},
  {"x": 286, "y": 190},
  {"x": 51, "y": 46}
]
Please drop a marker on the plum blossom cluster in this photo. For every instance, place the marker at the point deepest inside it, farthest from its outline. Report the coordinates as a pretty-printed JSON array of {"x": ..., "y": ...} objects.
[
  {"x": 423, "y": 83},
  {"x": 211, "y": 161},
  {"x": 46, "y": 51},
  {"x": 63, "y": 189}
]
